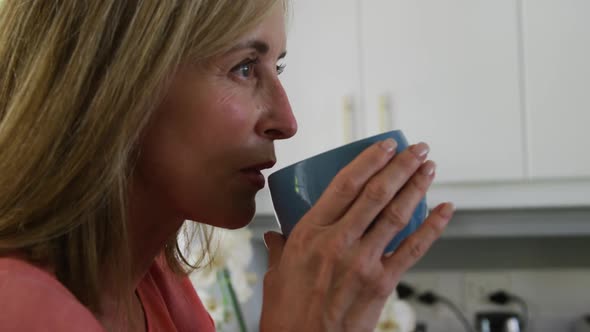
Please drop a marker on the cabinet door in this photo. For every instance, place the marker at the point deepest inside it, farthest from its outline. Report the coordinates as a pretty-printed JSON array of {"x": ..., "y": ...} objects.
[
  {"x": 321, "y": 77},
  {"x": 448, "y": 71},
  {"x": 557, "y": 58}
]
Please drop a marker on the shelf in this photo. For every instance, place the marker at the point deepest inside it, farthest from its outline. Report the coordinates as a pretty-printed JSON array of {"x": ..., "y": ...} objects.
[
  {"x": 493, "y": 195},
  {"x": 513, "y": 195},
  {"x": 546, "y": 222}
]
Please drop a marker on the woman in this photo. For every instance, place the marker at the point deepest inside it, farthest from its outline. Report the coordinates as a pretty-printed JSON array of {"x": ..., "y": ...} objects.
[{"x": 121, "y": 119}]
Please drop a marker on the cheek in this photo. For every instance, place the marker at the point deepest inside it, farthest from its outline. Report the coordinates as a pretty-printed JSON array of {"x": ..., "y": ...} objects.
[
  {"x": 189, "y": 154},
  {"x": 230, "y": 122},
  {"x": 203, "y": 124},
  {"x": 235, "y": 108}
]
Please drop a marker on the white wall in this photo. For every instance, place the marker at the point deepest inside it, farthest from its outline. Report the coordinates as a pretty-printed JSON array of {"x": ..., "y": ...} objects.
[
  {"x": 551, "y": 273},
  {"x": 556, "y": 298}
]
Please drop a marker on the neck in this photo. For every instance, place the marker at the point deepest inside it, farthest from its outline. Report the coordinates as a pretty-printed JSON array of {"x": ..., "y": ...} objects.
[{"x": 150, "y": 226}]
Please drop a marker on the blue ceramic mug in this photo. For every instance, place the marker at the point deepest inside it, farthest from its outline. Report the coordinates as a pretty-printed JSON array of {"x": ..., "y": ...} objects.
[{"x": 296, "y": 188}]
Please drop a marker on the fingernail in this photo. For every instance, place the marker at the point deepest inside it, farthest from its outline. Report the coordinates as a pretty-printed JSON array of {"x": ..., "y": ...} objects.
[
  {"x": 265, "y": 236},
  {"x": 420, "y": 150},
  {"x": 388, "y": 145},
  {"x": 428, "y": 168},
  {"x": 447, "y": 210}
]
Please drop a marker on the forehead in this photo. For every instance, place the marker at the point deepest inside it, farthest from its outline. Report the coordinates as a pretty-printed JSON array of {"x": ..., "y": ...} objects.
[{"x": 269, "y": 33}]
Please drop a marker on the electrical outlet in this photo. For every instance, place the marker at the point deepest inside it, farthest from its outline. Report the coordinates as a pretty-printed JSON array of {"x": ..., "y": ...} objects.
[
  {"x": 422, "y": 282},
  {"x": 478, "y": 285}
]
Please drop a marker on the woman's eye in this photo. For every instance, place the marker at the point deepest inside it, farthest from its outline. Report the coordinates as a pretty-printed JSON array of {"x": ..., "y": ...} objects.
[
  {"x": 245, "y": 70},
  {"x": 281, "y": 67}
]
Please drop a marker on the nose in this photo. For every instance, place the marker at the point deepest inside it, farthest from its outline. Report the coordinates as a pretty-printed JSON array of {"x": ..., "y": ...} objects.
[{"x": 278, "y": 121}]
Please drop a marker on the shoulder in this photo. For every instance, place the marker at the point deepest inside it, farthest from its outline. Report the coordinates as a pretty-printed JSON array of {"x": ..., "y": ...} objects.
[{"x": 34, "y": 300}]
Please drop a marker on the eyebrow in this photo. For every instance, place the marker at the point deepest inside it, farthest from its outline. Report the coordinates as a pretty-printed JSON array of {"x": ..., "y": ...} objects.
[{"x": 258, "y": 45}]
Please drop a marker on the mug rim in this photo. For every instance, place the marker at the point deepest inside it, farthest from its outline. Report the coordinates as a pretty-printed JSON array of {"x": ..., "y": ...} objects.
[{"x": 334, "y": 149}]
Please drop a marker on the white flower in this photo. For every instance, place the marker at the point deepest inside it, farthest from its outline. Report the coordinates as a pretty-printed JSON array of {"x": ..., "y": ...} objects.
[
  {"x": 203, "y": 277},
  {"x": 241, "y": 285},
  {"x": 235, "y": 249},
  {"x": 235, "y": 253},
  {"x": 397, "y": 316},
  {"x": 213, "y": 306}
]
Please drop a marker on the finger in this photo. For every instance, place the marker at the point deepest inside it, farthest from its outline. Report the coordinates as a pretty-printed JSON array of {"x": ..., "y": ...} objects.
[
  {"x": 417, "y": 244},
  {"x": 381, "y": 189},
  {"x": 397, "y": 214},
  {"x": 349, "y": 182},
  {"x": 275, "y": 243}
]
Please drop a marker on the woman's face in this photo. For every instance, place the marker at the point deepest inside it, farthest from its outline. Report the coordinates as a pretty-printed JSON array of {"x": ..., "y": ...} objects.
[{"x": 201, "y": 158}]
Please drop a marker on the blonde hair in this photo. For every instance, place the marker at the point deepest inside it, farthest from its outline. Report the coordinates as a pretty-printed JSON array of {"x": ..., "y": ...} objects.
[{"x": 79, "y": 81}]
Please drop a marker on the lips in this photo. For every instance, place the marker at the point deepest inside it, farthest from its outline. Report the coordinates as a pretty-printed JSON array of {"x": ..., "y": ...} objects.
[
  {"x": 253, "y": 175},
  {"x": 260, "y": 166}
]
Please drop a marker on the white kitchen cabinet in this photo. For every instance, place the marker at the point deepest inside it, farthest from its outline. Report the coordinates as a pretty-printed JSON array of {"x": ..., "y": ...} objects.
[
  {"x": 495, "y": 87},
  {"x": 448, "y": 73},
  {"x": 322, "y": 80},
  {"x": 322, "y": 77},
  {"x": 557, "y": 66}
]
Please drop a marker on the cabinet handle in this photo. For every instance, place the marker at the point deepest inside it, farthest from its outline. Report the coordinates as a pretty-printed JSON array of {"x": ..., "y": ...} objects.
[
  {"x": 385, "y": 114},
  {"x": 347, "y": 118}
]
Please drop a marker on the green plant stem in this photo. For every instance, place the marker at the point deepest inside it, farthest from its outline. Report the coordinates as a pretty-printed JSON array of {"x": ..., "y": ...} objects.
[{"x": 229, "y": 295}]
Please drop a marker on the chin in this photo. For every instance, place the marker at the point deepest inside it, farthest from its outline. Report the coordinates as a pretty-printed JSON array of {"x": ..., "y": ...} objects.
[
  {"x": 239, "y": 220},
  {"x": 230, "y": 217},
  {"x": 240, "y": 213},
  {"x": 228, "y": 206}
]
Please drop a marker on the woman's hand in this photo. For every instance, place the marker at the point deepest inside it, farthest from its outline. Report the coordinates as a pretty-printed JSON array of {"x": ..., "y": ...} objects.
[{"x": 331, "y": 274}]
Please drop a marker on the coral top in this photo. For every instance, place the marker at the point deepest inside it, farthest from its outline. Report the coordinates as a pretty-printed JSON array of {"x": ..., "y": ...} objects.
[{"x": 32, "y": 299}]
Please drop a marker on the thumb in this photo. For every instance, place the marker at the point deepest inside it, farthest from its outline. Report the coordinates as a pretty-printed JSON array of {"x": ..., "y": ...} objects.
[{"x": 275, "y": 243}]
